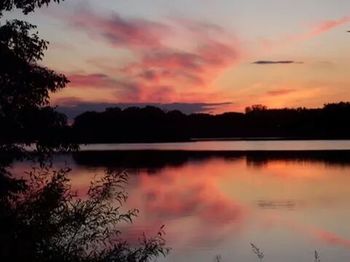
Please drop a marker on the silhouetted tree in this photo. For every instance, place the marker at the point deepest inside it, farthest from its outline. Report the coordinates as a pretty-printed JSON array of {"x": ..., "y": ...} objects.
[
  {"x": 25, "y": 115},
  {"x": 49, "y": 222},
  {"x": 41, "y": 219},
  {"x": 26, "y": 6},
  {"x": 255, "y": 108},
  {"x": 25, "y": 85}
]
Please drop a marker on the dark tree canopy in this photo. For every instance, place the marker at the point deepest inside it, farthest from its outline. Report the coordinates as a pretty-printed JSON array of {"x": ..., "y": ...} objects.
[
  {"x": 49, "y": 223},
  {"x": 41, "y": 217},
  {"x": 25, "y": 85},
  {"x": 26, "y": 6},
  {"x": 25, "y": 114}
]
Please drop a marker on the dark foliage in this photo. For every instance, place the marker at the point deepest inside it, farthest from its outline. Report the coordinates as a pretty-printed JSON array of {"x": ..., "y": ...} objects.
[
  {"x": 41, "y": 219},
  {"x": 48, "y": 222},
  {"x": 26, "y": 6},
  {"x": 26, "y": 119},
  {"x": 25, "y": 115},
  {"x": 151, "y": 124}
]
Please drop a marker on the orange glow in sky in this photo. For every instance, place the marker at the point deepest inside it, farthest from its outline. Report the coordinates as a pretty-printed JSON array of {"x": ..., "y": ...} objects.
[{"x": 225, "y": 52}]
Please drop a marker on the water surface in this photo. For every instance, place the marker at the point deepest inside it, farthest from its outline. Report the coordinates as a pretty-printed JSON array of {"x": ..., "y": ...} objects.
[
  {"x": 215, "y": 198},
  {"x": 239, "y": 145},
  {"x": 288, "y": 203}
]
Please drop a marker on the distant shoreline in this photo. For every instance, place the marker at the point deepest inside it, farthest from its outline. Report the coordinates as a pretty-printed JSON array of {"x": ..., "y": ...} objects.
[
  {"x": 267, "y": 139},
  {"x": 218, "y": 139},
  {"x": 153, "y": 125},
  {"x": 224, "y": 146}
]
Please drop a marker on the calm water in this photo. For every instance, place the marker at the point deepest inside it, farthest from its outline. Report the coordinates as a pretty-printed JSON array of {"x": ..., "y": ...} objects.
[
  {"x": 216, "y": 203},
  {"x": 228, "y": 145}
]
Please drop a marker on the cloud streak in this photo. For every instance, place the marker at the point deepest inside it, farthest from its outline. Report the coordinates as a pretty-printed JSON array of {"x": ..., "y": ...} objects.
[
  {"x": 161, "y": 71},
  {"x": 328, "y": 25},
  {"x": 118, "y": 31},
  {"x": 190, "y": 68},
  {"x": 280, "y": 92},
  {"x": 91, "y": 80},
  {"x": 271, "y": 62},
  {"x": 124, "y": 89},
  {"x": 310, "y": 32},
  {"x": 314, "y": 232}
]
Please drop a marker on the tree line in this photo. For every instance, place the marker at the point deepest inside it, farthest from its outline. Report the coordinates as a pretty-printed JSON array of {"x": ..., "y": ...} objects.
[{"x": 151, "y": 124}]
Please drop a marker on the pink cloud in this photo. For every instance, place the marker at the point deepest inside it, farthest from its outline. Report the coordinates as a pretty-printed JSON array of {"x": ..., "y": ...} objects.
[
  {"x": 328, "y": 25},
  {"x": 91, "y": 80},
  {"x": 160, "y": 71},
  {"x": 317, "y": 233},
  {"x": 330, "y": 238},
  {"x": 118, "y": 31},
  {"x": 194, "y": 201},
  {"x": 193, "y": 69},
  {"x": 310, "y": 32},
  {"x": 124, "y": 89},
  {"x": 172, "y": 59}
]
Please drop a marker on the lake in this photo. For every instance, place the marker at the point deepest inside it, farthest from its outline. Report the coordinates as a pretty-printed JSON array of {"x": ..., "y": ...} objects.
[
  {"x": 239, "y": 145},
  {"x": 289, "y": 198}
]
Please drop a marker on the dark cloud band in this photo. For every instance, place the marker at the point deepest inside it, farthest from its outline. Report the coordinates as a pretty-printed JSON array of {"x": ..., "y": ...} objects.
[{"x": 269, "y": 62}]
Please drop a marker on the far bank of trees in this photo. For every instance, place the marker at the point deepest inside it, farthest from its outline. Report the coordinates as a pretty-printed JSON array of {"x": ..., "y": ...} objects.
[{"x": 151, "y": 124}]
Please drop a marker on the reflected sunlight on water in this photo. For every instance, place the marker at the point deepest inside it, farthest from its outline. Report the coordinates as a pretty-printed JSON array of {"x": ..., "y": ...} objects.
[{"x": 217, "y": 204}]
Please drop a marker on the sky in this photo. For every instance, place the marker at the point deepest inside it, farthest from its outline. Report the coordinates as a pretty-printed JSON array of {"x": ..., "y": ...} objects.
[{"x": 198, "y": 55}]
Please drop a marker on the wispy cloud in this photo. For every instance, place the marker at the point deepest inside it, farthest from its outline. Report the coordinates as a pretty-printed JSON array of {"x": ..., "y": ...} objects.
[
  {"x": 194, "y": 68},
  {"x": 271, "y": 62},
  {"x": 122, "y": 88},
  {"x": 327, "y": 25},
  {"x": 119, "y": 31},
  {"x": 280, "y": 92},
  {"x": 171, "y": 60},
  {"x": 317, "y": 233},
  {"x": 92, "y": 80},
  {"x": 309, "y": 32},
  {"x": 330, "y": 237}
]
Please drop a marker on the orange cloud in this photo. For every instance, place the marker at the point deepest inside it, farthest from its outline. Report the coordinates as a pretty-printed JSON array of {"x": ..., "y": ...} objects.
[{"x": 160, "y": 72}]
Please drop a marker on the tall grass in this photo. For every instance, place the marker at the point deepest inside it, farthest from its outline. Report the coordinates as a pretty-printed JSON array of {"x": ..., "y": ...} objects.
[{"x": 260, "y": 254}]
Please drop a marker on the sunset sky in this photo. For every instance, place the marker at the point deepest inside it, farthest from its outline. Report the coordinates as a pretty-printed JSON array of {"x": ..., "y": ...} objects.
[{"x": 205, "y": 55}]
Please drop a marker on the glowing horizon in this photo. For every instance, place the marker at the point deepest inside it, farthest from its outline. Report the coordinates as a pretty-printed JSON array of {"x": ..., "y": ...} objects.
[{"x": 229, "y": 53}]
